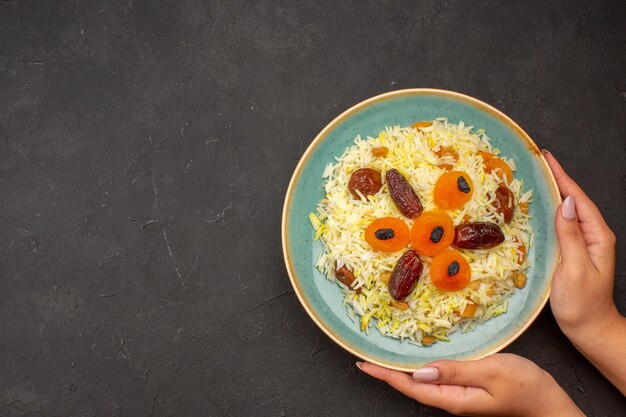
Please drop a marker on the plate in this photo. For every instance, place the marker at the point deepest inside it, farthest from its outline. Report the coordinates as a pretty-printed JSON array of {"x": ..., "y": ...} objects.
[{"x": 322, "y": 298}]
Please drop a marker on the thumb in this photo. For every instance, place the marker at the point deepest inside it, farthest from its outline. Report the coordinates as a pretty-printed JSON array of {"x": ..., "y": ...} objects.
[{"x": 571, "y": 239}]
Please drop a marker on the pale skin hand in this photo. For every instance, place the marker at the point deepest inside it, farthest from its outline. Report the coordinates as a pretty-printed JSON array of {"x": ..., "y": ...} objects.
[
  {"x": 499, "y": 385},
  {"x": 582, "y": 286}
]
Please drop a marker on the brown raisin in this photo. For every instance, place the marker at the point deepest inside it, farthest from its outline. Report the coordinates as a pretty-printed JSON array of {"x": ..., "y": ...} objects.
[
  {"x": 345, "y": 276},
  {"x": 367, "y": 180},
  {"x": 504, "y": 202}
]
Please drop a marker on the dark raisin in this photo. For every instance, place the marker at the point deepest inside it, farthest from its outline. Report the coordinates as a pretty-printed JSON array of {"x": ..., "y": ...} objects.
[
  {"x": 384, "y": 234},
  {"x": 462, "y": 184},
  {"x": 436, "y": 234},
  {"x": 453, "y": 269}
]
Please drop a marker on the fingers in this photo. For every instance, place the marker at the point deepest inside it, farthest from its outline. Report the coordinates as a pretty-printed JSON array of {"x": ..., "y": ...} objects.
[
  {"x": 454, "y": 398},
  {"x": 573, "y": 246},
  {"x": 471, "y": 373}
]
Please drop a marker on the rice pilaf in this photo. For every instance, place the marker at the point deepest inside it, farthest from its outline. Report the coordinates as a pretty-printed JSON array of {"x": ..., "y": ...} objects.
[{"x": 427, "y": 314}]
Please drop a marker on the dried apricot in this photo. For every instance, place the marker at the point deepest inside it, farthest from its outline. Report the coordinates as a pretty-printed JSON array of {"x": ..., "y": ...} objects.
[
  {"x": 432, "y": 232},
  {"x": 449, "y": 271},
  {"x": 497, "y": 165},
  {"x": 387, "y": 234},
  {"x": 453, "y": 189}
]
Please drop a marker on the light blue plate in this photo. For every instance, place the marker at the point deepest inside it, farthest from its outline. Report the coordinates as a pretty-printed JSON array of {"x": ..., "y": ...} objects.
[{"x": 322, "y": 299}]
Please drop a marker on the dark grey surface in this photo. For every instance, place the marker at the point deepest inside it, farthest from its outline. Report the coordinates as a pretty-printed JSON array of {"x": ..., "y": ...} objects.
[{"x": 145, "y": 148}]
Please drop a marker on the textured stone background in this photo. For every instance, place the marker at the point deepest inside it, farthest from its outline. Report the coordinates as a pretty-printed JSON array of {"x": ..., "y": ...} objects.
[{"x": 145, "y": 148}]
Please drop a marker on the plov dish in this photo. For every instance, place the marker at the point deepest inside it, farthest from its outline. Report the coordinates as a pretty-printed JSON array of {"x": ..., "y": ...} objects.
[{"x": 425, "y": 228}]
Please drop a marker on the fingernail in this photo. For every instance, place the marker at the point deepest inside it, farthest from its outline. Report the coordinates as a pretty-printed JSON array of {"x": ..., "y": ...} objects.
[
  {"x": 545, "y": 151},
  {"x": 568, "y": 209},
  {"x": 428, "y": 374},
  {"x": 359, "y": 365}
]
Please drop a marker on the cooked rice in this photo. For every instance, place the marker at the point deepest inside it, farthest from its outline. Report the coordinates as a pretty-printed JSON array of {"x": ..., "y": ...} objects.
[{"x": 341, "y": 220}]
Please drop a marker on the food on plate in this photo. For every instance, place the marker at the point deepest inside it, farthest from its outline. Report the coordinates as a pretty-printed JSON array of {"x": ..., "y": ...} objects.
[
  {"x": 504, "y": 202},
  {"x": 497, "y": 166},
  {"x": 453, "y": 189},
  {"x": 405, "y": 275},
  {"x": 426, "y": 228},
  {"x": 387, "y": 234},
  {"x": 367, "y": 181},
  {"x": 519, "y": 280},
  {"x": 403, "y": 194},
  {"x": 345, "y": 276},
  {"x": 479, "y": 235},
  {"x": 450, "y": 271},
  {"x": 380, "y": 152},
  {"x": 432, "y": 232},
  {"x": 420, "y": 125},
  {"x": 448, "y": 156},
  {"x": 521, "y": 250}
]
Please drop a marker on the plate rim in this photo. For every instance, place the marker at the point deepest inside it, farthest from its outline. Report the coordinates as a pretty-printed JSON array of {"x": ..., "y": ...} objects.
[{"x": 319, "y": 138}]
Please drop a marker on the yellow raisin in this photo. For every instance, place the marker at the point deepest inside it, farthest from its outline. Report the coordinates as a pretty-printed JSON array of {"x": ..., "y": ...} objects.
[
  {"x": 400, "y": 304},
  {"x": 428, "y": 340},
  {"x": 519, "y": 280},
  {"x": 470, "y": 309},
  {"x": 523, "y": 207},
  {"x": 475, "y": 285},
  {"x": 420, "y": 125},
  {"x": 380, "y": 152}
]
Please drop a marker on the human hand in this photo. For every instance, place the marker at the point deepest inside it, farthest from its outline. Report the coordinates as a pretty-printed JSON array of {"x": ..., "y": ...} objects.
[
  {"x": 498, "y": 385},
  {"x": 582, "y": 285}
]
